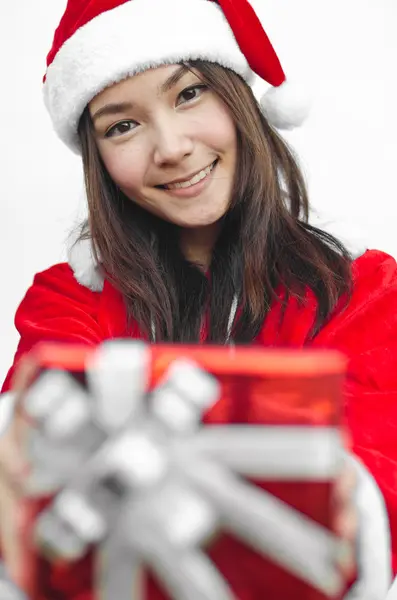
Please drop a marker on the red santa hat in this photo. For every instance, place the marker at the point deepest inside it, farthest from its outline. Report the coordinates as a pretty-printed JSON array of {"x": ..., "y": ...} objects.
[{"x": 101, "y": 42}]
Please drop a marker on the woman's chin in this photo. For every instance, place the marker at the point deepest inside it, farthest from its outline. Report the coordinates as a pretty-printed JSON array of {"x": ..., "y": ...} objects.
[{"x": 197, "y": 223}]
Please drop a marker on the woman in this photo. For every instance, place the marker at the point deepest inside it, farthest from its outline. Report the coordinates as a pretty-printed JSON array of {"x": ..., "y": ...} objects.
[{"x": 197, "y": 228}]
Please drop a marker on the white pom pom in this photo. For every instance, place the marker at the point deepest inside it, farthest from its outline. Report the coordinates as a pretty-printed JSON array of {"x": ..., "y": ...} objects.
[{"x": 286, "y": 106}]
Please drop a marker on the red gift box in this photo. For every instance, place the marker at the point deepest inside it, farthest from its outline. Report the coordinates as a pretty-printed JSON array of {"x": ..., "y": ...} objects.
[{"x": 265, "y": 461}]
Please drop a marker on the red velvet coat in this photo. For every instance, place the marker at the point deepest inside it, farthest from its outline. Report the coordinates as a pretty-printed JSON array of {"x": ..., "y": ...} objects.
[{"x": 58, "y": 308}]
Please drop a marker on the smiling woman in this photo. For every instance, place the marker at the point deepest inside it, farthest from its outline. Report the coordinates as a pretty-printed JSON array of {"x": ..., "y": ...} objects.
[
  {"x": 190, "y": 146},
  {"x": 197, "y": 224}
]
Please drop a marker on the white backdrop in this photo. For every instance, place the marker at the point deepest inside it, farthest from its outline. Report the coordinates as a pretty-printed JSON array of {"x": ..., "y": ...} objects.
[{"x": 345, "y": 49}]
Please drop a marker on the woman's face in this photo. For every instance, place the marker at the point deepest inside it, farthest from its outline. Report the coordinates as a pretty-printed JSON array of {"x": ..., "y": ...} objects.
[{"x": 169, "y": 144}]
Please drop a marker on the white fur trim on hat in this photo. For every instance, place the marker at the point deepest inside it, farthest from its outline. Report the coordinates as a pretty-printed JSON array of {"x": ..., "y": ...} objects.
[{"x": 127, "y": 40}]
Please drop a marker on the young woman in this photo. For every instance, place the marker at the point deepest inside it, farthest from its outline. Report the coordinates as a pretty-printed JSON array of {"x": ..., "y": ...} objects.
[{"x": 198, "y": 213}]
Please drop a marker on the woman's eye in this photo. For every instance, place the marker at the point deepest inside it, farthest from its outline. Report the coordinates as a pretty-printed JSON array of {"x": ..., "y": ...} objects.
[
  {"x": 191, "y": 93},
  {"x": 120, "y": 128}
]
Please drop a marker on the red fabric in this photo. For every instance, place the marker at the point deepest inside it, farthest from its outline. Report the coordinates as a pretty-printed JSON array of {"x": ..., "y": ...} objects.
[{"x": 57, "y": 308}]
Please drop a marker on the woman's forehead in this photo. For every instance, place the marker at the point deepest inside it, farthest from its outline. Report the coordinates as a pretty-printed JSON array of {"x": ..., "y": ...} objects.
[{"x": 155, "y": 80}]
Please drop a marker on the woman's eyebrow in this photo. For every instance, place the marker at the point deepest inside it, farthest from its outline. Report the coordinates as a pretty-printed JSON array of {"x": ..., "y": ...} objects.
[
  {"x": 122, "y": 107},
  {"x": 112, "y": 109},
  {"x": 173, "y": 79}
]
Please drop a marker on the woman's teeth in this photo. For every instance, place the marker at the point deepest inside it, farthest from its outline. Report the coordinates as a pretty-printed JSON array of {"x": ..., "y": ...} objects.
[{"x": 185, "y": 184}]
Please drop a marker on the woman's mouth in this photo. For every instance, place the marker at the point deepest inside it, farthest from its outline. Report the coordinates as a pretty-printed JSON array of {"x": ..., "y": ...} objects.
[{"x": 190, "y": 183}]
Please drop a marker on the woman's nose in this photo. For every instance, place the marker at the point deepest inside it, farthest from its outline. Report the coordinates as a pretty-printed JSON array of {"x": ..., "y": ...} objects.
[{"x": 172, "y": 143}]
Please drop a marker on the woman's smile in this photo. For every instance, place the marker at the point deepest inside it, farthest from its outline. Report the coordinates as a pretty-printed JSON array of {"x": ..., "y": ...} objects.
[{"x": 193, "y": 186}]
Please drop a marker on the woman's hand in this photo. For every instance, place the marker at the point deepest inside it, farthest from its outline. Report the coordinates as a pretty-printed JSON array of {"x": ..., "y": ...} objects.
[
  {"x": 14, "y": 467},
  {"x": 346, "y": 520}
]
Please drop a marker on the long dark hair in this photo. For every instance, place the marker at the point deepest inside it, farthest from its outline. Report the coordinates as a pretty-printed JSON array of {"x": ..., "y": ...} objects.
[{"x": 266, "y": 244}]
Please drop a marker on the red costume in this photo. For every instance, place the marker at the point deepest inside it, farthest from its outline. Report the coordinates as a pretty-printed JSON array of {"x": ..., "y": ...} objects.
[{"x": 58, "y": 308}]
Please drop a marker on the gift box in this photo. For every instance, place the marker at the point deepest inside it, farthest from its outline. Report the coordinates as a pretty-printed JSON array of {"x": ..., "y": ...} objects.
[{"x": 175, "y": 472}]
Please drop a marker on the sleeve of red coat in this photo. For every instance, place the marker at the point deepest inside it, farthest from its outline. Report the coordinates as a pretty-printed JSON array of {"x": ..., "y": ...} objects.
[
  {"x": 56, "y": 308},
  {"x": 366, "y": 331}
]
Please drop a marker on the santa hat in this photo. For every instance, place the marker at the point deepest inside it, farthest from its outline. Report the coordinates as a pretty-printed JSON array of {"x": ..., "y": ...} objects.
[{"x": 101, "y": 42}]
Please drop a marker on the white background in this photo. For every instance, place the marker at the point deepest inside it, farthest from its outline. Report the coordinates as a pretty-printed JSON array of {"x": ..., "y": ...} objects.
[{"x": 345, "y": 49}]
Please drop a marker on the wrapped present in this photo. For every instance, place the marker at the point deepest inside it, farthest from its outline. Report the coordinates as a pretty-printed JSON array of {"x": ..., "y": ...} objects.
[{"x": 175, "y": 472}]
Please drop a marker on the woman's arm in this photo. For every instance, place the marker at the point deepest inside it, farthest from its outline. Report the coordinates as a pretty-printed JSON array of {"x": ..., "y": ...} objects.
[{"x": 366, "y": 332}]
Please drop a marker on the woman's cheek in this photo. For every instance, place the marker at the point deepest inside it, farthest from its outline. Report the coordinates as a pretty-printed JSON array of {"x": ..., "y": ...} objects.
[
  {"x": 126, "y": 167},
  {"x": 217, "y": 126}
]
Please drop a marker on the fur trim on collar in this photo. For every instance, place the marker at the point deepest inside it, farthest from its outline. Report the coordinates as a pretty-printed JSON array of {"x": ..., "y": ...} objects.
[
  {"x": 352, "y": 237},
  {"x": 89, "y": 273},
  {"x": 82, "y": 261}
]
